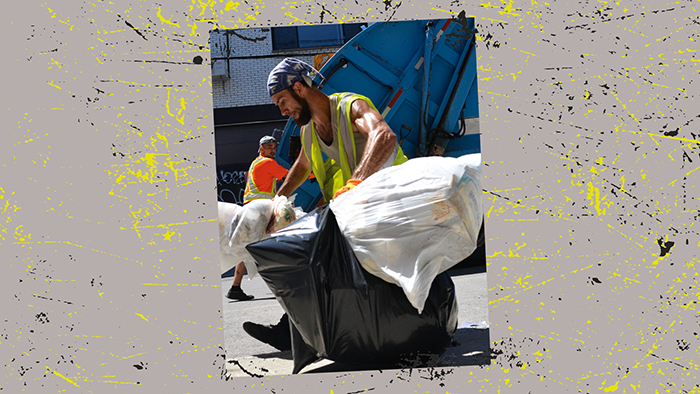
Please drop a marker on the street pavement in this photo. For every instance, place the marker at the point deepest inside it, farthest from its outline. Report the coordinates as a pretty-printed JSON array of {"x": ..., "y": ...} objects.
[{"x": 247, "y": 356}]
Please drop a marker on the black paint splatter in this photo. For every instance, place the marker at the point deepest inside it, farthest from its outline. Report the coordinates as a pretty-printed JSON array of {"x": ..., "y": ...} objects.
[
  {"x": 245, "y": 370},
  {"x": 42, "y": 318},
  {"x": 256, "y": 39},
  {"x": 665, "y": 247},
  {"x": 672, "y": 133},
  {"x": 133, "y": 28}
]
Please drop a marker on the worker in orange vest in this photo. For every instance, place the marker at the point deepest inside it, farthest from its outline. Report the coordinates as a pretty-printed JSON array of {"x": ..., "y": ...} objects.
[{"x": 263, "y": 174}]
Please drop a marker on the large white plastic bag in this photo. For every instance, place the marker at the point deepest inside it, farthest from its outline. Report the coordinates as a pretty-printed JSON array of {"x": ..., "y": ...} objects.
[
  {"x": 408, "y": 223},
  {"x": 239, "y": 226},
  {"x": 253, "y": 222}
]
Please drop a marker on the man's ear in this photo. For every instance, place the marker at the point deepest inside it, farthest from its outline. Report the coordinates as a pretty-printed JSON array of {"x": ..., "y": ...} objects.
[{"x": 299, "y": 88}]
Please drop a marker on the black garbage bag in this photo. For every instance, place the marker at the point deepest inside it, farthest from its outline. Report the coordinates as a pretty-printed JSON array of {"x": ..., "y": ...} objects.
[{"x": 339, "y": 311}]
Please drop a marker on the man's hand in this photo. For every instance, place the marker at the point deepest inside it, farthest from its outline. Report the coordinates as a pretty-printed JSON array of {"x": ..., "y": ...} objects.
[{"x": 348, "y": 186}]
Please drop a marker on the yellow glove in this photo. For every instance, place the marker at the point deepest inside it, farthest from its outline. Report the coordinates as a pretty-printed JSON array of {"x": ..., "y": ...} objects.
[{"x": 348, "y": 186}]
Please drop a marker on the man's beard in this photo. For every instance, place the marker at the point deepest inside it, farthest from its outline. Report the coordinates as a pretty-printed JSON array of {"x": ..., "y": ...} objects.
[{"x": 305, "y": 112}]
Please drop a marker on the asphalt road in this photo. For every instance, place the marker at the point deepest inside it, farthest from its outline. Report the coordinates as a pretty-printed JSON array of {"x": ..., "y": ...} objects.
[{"x": 247, "y": 356}]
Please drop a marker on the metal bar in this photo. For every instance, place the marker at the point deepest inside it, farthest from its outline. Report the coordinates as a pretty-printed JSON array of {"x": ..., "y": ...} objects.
[
  {"x": 459, "y": 95},
  {"x": 407, "y": 82},
  {"x": 425, "y": 91},
  {"x": 341, "y": 63},
  {"x": 453, "y": 84}
]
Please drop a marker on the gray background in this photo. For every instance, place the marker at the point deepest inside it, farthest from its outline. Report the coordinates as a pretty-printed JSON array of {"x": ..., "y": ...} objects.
[{"x": 589, "y": 124}]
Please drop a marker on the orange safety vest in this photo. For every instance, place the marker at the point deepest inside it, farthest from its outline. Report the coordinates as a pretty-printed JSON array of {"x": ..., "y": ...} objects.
[{"x": 252, "y": 189}]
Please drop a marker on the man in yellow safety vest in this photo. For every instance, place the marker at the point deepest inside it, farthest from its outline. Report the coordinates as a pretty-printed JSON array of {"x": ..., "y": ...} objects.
[{"x": 347, "y": 128}]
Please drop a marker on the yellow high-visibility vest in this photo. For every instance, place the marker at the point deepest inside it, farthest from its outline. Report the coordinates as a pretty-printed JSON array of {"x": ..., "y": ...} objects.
[{"x": 330, "y": 175}]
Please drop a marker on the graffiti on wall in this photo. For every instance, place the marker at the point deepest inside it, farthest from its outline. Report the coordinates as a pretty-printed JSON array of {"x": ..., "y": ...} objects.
[{"x": 230, "y": 185}]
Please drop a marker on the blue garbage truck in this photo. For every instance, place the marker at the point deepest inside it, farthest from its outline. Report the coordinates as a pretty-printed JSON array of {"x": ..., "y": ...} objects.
[{"x": 421, "y": 76}]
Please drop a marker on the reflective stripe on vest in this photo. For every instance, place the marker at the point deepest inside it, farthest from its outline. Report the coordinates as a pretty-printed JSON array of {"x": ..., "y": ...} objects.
[
  {"x": 330, "y": 175},
  {"x": 251, "y": 189}
]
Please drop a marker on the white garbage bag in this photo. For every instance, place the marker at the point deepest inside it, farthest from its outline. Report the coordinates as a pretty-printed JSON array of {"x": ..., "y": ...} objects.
[
  {"x": 409, "y": 223},
  {"x": 253, "y": 222},
  {"x": 284, "y": 212},
  {"x": 239, "y": 226}
]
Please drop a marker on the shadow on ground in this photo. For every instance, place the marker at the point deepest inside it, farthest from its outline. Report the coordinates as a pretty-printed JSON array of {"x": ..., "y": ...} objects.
[
  {"x": 250, "y": 301},
  {"x": 470, "y": 347}
]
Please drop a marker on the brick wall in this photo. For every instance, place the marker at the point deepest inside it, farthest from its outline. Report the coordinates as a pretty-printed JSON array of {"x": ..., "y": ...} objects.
[{"x": 250, "y": 60}]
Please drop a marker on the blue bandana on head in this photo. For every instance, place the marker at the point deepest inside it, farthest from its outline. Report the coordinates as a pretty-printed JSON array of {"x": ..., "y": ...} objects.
[{"x": 287, "y": 72}]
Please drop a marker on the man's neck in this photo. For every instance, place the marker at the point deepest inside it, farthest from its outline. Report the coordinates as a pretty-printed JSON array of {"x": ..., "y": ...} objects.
[{"x": 321, "y": 116}]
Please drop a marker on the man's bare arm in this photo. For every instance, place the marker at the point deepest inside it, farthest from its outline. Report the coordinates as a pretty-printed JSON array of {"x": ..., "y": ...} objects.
[
  {"x": 381, "y": 141},
  {"x": 296, "y": 176}
]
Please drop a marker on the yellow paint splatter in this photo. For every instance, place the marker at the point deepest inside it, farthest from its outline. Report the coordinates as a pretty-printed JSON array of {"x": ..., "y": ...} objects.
[
  {"x": 611, "y": 387},
  {"x": 63, "y": 377},
  {"x": 594, "y": 197},
  {"x": 141, "y": 316},
  {"x": 166, "y": 21}
]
